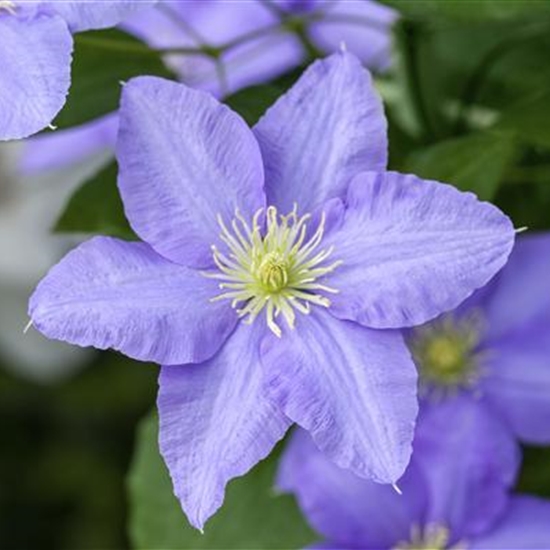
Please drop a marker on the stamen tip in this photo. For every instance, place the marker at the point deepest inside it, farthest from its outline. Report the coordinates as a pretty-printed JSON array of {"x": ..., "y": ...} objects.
[{"x": 27, "y": 327}]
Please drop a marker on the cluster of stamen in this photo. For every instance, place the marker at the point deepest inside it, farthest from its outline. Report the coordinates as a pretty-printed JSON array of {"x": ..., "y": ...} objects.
[
  {"x": 446, "y": 354},
  {"x": 7, "y": 5},
  {"x": 272, "y": 265},
  {"x": 432, "y": 537}
]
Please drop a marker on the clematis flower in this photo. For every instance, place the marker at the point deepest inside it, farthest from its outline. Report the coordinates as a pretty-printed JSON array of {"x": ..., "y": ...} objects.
[
  {"x": 271, "y": 261},
  {"x": 273, "y": 45},
  {"x": 35, "y": 55},
  {"x": 364, "y": 26},
  {"x": 495, "y": 348},
  {"x": 456, "y": 491}
]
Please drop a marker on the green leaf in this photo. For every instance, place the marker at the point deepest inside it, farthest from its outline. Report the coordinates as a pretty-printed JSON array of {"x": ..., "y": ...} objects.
[
  {"x": 96, "y": 208},
  {"x": 529, "y": 120},
  {"x": 252, "y": 517},
  {"x": 535, "y": 474},
  {"x": 472, "y": 11},
  {"x": 477, "y": 162},
  {"x": 251, "y": 103},
  {"x": 101, "y": 61}
]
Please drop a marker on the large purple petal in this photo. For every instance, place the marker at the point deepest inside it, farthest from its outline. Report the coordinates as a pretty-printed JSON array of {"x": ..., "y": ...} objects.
[
  {"x": 328, "y": 127},
  {"x": 517, "y": 381},
  {"x": 351, "y": 511},
  {"x": 352, "y": 388},
  {"x": 35, "y": 61},
  {"x": 521, "y": 292},
  {"x": 526, "y": 525},
  {"x": 215, "y": 424},
  {"x": 83, "y": 15},
  {"x": 470, "y": 461},
  {"x": 67, "y": 147},
  {"x": 184, "y": 159},
  {"x": 412, "y": 249},
  {"x": 114, "y": 294}
]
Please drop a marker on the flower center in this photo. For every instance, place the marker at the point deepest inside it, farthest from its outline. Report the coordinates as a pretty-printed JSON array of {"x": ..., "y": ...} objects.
[
  {"x": 7, "y": 5},
  {"x": 446, "y": 355},
  {"x": 432, "y": 537},
  {"x": 273, "y": 271},
  {"x": 272, "y": 266}
]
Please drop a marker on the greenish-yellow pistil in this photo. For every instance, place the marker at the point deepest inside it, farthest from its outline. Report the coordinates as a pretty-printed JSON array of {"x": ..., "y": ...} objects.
[
  {"x": 7, "y": 5},
  {"x": 446, "y": 353},
  {"x": 273, "y": 267},
  {"x": 432, "y": 537}
]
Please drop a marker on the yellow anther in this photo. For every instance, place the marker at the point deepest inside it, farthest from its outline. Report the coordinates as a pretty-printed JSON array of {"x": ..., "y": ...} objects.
[
  {"x": 276, "y": 269},
  {"x": 446, "y": 353}
]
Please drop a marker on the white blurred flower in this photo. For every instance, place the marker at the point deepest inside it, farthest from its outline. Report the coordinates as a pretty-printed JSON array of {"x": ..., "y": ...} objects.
[{"x": 29, "y": 207}]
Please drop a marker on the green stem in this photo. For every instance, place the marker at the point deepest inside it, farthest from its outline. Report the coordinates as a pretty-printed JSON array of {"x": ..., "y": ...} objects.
[
  {"x": 180, "y": 22},
  {"x": 296, "y": 24},
  {"x": 134, "y": 48},
  {"x": 409, "y": 34},
  {"x": 355, "y": 20}
]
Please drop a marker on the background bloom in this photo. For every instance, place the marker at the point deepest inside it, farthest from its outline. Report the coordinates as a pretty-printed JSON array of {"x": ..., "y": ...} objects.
[
  {"x": 456, "y": 491},
  {"x": 35, "y": 55},
  {"x": 409, "y": 249},
  {"x": 364, "y": 26},
  {"x": 495, "y": 348},
  {"x": 272, "y": 46}
]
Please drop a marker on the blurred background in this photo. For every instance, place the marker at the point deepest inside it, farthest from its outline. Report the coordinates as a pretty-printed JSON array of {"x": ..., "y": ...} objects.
[{"x": 467, "y": 92}]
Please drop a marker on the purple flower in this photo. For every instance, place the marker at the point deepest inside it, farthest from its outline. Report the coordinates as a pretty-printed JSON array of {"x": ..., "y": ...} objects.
[
  {"x": 455, "y": 492},
  {"x": 270, "y": 259},
  {"x": 495, "y": 348},
  {"x": 35, "y": 55},
  {"x": 272, "y": 48},
  {"x": 364, "y": 26}
]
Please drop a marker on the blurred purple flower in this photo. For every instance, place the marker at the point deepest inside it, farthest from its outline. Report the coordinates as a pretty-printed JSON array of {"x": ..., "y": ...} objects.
[
  {"x": 456, "y": 490},
  {"x": 35, "y": 55},
  {"x": 495, "y": 348},
  {"x": 272, "y": 46},
  {"x": 401, "y": 251},
  {"x": 364, "y": 26}
]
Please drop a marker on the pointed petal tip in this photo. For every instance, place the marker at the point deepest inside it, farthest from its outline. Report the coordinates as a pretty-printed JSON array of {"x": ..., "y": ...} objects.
[{"x": 397, "y": 489}]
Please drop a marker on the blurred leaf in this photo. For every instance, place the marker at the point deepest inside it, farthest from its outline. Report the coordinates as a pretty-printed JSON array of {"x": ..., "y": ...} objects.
[
  {"x": 528, "y": 205},
  {"x": 476, "y": 162},
  {"x": 110, "y": 381},
  {"x": 529, "y": 120},
  {"x": 484, "y": 64},
  {"x": 97, "y": 208},
  {"x": 535, "y": 474},
  {"x": 472, "y": 11},
  {"x": 251, "y": 103},
  {"x": 252, "y": 517},
  {"x": 101, "y": 61}
]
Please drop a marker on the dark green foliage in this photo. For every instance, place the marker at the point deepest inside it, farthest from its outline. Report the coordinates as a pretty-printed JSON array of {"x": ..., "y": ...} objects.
[
  {"x": 253, "y": 517},
  {"x": 96, "y": 208},
  {"x": 102, "y": 61}
]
